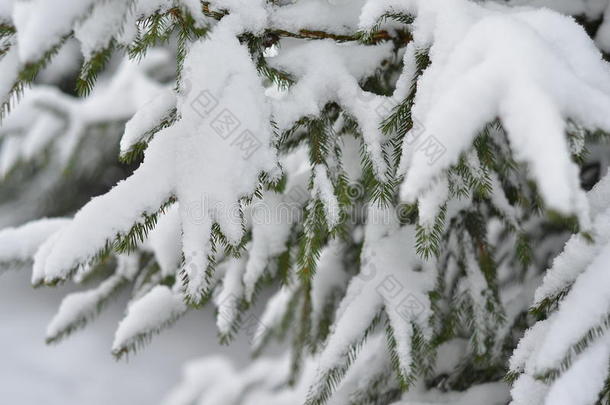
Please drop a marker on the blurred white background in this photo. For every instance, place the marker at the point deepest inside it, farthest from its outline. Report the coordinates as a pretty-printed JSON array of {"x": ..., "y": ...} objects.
[{"x": 80, "y": 370}]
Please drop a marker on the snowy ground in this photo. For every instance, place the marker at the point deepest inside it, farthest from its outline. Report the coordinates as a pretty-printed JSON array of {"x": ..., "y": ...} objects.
[{"x": 81, "y": 370}]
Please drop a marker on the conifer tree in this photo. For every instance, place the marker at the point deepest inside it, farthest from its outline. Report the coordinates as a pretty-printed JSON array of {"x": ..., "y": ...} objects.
[{"x": 419, "y": 187}]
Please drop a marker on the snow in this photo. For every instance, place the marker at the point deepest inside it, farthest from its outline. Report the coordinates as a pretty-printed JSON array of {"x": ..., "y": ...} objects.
[
  {"x": 449, "y": 355},
  {"x": 40, "y": 135},
  {"x": 9, "y": 64},
  {"x": 42, "y": 24},
  {"x": 528, "y": 345},
  {"x": 528, "y": 391},
  {"x": 473, "y": 79},
  {"x": 585, "y": 307},
  {"x": 599, "y": 196},
  {"x": 20, "y": 244},
  {"x": 107, "y": 215},
  {"x": 371, "y": 363},
  {"x": 495, "y": 393},
  {"x": 171, "y": 159},
  {"x": 196, "y": 11},
  {"x": 96, "y": 32},
  {"x": 534, "y": 70},
  {"x": 479, "y": 293},
  {"x": 228, "y": 299},
  {"x": 576, "y": 256},
  {"x": 138, "y": 10},
  {"x": 77, "y": 308},
  {"x": 602, "y": 38},
  {"x": 339, "y": 17},
  {"x": 430, "y": 203},
  {"x": 275, "y": 309},
  {"x": 81, "y": 370},
  {"x": 9, "y": 156},
  {"x": 262, "y": 375},
  {"x": 215, "y": 381},
  {"x": 270, "y": 231},
  {"x": 198, "y": 375},
  {"x": 582, "y": 382},
  {"x": 272, "y": 218},
  {"x": 330, "y": 277},
  {"x": 501, "y": 202},
  {"x": 146, "y": 118},
  {"x": 245, "y": 15},
  {"x": 328, "y": 72},
  {"x": 6, "y": 9},
  {"x": 515, "y": 301},
  {"x": 48, "y": 118},
  {"x": 389, "y": 280},
  {"x": 578, "y": 271},
  {"x": 350, "y": 154},
  {"x": 550, "y": 343},
  {"x": 148, "y": 314},
  {"x": 324, "y": 190},
  {"x": 128, "y": 265},
  {"x": 164, "y": 241},
  {"x": 592, "y": 10},
  {"x": 235, "y": 149}
]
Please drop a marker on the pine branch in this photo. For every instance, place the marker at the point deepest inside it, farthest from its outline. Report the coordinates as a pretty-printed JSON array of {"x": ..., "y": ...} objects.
[
  {"x": 91, "y": 68},
  {"x": 328, "y": 380}
]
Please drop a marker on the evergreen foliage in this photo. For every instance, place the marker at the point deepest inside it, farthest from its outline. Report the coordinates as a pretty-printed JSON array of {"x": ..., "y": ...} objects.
[{"x": 384, "y": 290}]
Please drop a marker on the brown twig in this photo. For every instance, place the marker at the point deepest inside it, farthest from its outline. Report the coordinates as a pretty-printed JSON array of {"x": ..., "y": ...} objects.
[{"x": 303, "y": 33}]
